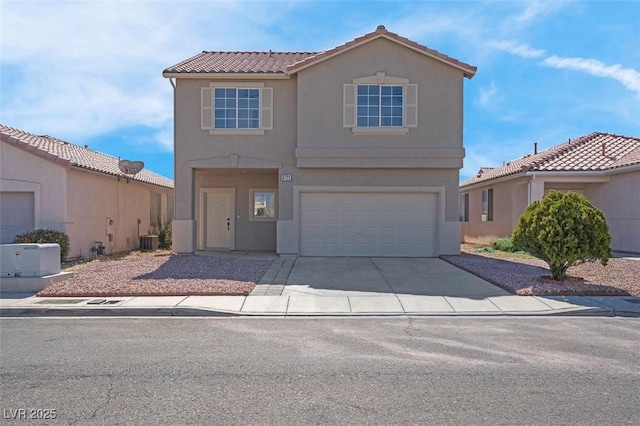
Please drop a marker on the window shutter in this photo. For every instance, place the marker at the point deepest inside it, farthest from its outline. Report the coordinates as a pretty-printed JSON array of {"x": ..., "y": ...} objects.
[
  {"x": 206, "y": 96},
  {"x": 266, "y": 110},
  {"x": 411, "y": 106},
  {"x": 349, "y": 105}
]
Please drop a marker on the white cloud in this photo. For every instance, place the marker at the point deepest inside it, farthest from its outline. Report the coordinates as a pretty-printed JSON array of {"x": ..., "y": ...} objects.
[
  {"x": 629, "y": 77},
  {"x": 488, "y": 94},
  {"x": 534, "y": 9},
  {"x": 522, "y": 49},
  {"x": 89, "y": 68}
]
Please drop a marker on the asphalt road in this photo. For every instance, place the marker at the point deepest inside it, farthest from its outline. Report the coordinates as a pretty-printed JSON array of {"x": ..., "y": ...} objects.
[{"x": 321, "y": 371}]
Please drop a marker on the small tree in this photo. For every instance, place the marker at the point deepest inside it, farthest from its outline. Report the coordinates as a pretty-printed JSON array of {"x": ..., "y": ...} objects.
[{"x": 563, "y": 230}]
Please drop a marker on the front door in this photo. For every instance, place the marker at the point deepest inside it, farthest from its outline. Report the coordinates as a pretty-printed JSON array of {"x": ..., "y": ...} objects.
[{"x": 220, "y": 212}]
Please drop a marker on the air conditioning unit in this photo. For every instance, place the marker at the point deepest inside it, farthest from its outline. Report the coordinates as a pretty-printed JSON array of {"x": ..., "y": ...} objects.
[{"x": 29, "y": 260}]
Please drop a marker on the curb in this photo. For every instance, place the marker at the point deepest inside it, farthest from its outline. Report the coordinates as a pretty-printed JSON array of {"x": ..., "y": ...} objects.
[{"x": 199, "y": 312}]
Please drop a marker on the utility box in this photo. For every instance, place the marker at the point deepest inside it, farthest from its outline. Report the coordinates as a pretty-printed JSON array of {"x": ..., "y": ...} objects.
[
  {"x": 29, "y": 260},
  {"x": 149, "y": 242}
]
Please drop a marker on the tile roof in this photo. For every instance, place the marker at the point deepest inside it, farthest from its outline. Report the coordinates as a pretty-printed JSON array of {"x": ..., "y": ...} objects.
[
  {"x": 595, "y": 152},
  {"x": 381, "y": 31},
  {"x": 239, "y": 62},
  {"x": 71, "y": 155},
  {"x": 292, "y": 62}
]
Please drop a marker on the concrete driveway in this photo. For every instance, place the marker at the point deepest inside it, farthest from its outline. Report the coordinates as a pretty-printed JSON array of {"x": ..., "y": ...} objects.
[{"x": 362, "y": 276}]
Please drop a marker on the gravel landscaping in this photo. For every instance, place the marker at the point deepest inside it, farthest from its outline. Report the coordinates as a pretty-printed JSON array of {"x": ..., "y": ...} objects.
[
  {"x": 523, "y": 275},
  {"x": 147, "y": 274},
  {"x": 143, "y": 274}
]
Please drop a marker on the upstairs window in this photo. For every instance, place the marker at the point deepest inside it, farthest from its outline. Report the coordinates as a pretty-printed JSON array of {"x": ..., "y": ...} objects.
[
  {"x": 380, "y": 106},
  {"x": 228, "y": 108},
  {"x": 236, "y": 108}
]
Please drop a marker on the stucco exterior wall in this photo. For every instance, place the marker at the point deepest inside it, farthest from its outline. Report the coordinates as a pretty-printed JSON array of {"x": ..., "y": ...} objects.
[
  {"x": 95, "y": 198},
  {"x": 619, "y": 199},
  {"x": 320, "y": 98},
  {"x": 25, "y": 172},
  {"x": 510, "y": 199}
]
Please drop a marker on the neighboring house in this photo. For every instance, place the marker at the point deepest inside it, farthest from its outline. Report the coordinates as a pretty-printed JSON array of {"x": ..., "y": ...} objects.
[
  {"x": 603, "y": 167},
  {"x": 354, "y": 151},
  {"x": 49, "y": 183}
]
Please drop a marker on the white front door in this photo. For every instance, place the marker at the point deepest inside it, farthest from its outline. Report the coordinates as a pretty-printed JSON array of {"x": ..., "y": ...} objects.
[{"x": 220, "y": 212}]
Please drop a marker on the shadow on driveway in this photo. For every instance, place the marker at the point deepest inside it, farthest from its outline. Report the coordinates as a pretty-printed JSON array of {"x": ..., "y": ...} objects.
[{"x": 362, "y": 276}]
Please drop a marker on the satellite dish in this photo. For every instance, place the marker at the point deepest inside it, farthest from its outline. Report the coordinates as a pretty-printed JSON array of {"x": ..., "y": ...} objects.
[{"x": 130, "y": 167}]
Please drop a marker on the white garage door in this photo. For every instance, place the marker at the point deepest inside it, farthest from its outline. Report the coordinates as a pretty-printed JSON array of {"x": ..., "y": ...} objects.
[
  {"x": 369, "y": 224},
  {"x": 16, "y": 214}
]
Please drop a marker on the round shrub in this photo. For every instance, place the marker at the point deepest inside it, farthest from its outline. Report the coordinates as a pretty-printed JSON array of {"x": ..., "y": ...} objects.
[
  {"x": 44, "y": 236},
  {"x": 504, "y": 244},
  {"x": 563, "y": 230}
]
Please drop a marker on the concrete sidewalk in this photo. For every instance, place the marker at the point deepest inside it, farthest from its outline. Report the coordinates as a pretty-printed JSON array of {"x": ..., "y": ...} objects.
[
  {"x": 287, "y": 305},
  {"x": 338, "y": 287}
]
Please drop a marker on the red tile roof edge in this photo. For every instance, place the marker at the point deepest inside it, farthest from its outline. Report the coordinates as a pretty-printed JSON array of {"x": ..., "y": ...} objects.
[
  {"x": 28, "y": 142},
  {"x": 533, "y": 162}
]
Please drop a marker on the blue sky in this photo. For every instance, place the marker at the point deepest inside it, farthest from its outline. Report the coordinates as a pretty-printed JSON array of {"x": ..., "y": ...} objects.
[{"x": 89, "y": 72}]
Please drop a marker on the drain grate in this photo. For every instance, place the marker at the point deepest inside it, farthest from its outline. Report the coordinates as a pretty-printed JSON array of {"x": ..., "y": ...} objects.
[
  {"x": 60, "y": 301},
  {"x": 636, "y": 301},
  {"x": 103, "y": 302}
]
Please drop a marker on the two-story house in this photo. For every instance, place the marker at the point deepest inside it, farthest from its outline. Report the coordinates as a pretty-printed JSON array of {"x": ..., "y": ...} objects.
[{"x": 354, "y": 151}]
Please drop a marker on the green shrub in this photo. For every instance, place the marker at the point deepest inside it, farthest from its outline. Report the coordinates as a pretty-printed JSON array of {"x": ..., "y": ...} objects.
[
  {"x": 43, "y": 236},
  {"x": 563, "y": 230},
  {"x": 504, "y": 244},
  {"x": 165, "y": 237}
]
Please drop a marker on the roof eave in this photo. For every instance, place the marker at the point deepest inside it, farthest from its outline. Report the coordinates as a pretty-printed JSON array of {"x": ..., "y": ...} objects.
[
  {"x": 468, "y": 71},
  {"x": 228, "y": 75},
  {"x": 515, "y": 175}
]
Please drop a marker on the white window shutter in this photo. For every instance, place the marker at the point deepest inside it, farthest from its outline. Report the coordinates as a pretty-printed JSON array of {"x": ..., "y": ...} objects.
[
  {"x": 411, "y": 106},
  {"x": 349, "y": 105},
  {"x": 266, "y": 108},
  {"x": 206, "y": 96}
]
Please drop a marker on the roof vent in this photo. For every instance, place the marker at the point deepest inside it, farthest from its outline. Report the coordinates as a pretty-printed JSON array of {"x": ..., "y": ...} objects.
[
  {"x": 535, "y": 148},
  {"x": 381, "y": 28},
  {"x": 604, "y": 149}
]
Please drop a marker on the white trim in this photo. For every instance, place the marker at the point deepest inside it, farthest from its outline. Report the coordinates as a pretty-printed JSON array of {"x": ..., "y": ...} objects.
[
  {"x": 380, "y": 130},
  {"x": 381, "y": 79},
  {"x": 237, "y": 132}
]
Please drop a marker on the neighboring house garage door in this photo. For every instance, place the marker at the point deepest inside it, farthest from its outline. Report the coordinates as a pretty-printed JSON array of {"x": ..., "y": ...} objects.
[
  {"x": 368, "y": 224},
  {"x": 16, "y": 214}
]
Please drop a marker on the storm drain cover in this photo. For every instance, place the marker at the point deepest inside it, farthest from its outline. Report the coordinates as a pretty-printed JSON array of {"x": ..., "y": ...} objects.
[
  {"x": 103, "y": 302},
  {"x": 60, "y": 301},
  {"x": 636, "y": 301}
]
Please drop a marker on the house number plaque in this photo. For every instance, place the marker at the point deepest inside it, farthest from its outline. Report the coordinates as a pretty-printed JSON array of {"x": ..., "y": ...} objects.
[{"x": 285, "y": 178}]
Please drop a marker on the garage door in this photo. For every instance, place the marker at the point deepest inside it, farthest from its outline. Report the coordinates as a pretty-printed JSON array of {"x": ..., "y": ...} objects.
[
  {"x": 369, "y": 224},
  {"x": 16, "y": 214}
]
